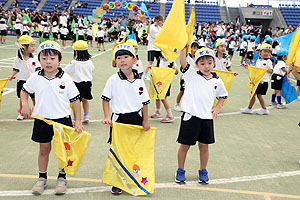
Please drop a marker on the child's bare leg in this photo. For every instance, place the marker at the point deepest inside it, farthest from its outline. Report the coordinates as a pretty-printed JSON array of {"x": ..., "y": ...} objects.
[
  {"x": 252, "y": 101},
  {"x": 261, "y": 101},
  {"x": 181, "y": 155},
  {"x": 204, "y": 155},
  {"x": 166, "y": 103},
  {"x": 43, "y": 158},
  {"x": 86, "y": 106},
  {"x": 298, "y": 91},
  {"x": 179, "y": 96},
  {"x": 157, "y": 102}
]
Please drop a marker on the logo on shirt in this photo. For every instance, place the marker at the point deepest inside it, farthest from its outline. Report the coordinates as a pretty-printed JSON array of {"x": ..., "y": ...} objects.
[
  {"x": 33, "y": 64},
  {"x": 215, "y": 87},
  {"x": 141, "y": 90},
  {"x": 62, "y": 85},
  {"x": 158, "y": 85}
]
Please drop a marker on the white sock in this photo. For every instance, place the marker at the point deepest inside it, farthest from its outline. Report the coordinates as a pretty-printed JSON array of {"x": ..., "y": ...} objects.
[{"x": 169, "y": 112}]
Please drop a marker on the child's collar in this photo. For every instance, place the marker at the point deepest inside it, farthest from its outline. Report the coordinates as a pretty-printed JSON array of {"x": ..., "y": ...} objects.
[
  {"x": 123, "y": 76},
  {"x": 59, "y": 74}
]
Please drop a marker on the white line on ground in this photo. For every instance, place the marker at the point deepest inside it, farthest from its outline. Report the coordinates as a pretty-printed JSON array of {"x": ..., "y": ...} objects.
[
  {"x": 7, "y": 59},
  {"x": 5, "y": 66},
  {"x": 10, "y": 90},
  {"x": 99, "y": 54},
  {"x": 10, "y": 45},
  {"x": 159, "y": 185}
]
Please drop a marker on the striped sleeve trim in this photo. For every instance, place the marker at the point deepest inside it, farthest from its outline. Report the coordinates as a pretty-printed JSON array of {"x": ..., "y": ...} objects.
[
  {"x": 26, "y": 91},
  {"x": 146, "y": 102},
  {"x": 105, "y": 98}
]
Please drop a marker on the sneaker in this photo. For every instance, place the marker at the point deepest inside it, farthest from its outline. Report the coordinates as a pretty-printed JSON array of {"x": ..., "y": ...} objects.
[
  {"x": 273, "y": 104},
  {"x": 263, "y": 111},
  {"x": 86, "y": 119},
  {"x": 298, "y": 99},
  {"x": 156, "y": 115},
  {"x": 280, "y": 106},
  {"x": 246, "y": 110},
  {"x": 116, "y": 191},
  {"x": 20, "y": 117},
  {"x": 203, "y": 178},
  {"x": 39, "y": 186},
  {"x": 61, "y": 186},
  {"x": 168, "y": 119},
  {"x": 177, "y": 108},
  {"x": 180, "y": 176}
]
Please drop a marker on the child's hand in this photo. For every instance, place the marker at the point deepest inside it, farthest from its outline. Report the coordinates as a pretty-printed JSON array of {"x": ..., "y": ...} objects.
[
  {"x": 269, "y": 70},
  {"x": 11, "y": 77},
  {"x": 215, "y": 111},
  {"x": 26, "y": 111},
  {"x": 149, "y": 66},
  {"x": 78, "y": 126},
  {"x": 107, "y": 121},
  {"x": 236, "y": 73},
  {"x": 146, "y": 125}
]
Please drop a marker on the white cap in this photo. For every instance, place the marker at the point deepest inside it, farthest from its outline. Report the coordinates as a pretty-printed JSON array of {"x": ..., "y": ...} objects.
[
  {"x": 126, "y": 47},
  {"x": 204, "y": 52}
]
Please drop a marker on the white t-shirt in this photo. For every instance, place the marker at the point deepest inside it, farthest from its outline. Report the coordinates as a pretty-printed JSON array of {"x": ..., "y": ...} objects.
[
  {"x": 223, "y": 63},
  {"x": 152, "y": 36},
  {"x": 243, "y": 45},
  {"x": 251, "y": 46},
  {"x": 202, "y": 42},
  {"x": 46, "y": 29},
  {"x": 265, "y": 63},
  {"x": 125, "y": 96},
  {"x": 100, "y": 33},
  {"x": 52, "y": 96},
  {"x": 63, "y": 19},
  {"x": 26, "y": 67},
  {"x": 200, "y": 93},
  {"x": 89, "y": 32},
  {"x": 55, "y": 29},
  {"x": 278, "y": 68},
  {"x": 18, "y": 26},
  {"x": 80, "y": 70},
  {"x": 64, "y": 31},
  {"x": 81, "y": 32},
  {"x": 274, "y": 50},
  {"x": 231, "y": 44},
  {"x": 138, "y": 66},
  {"x": 26, "y": 28},
  {"x": 3, "y": 27},
  {"x": 190, "y": 60}
]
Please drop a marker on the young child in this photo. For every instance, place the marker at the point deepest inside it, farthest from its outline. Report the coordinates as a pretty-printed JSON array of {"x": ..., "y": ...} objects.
[
  {"x": 222, "y": 61},
  {"x": 81, "y": 32},
  {"x": 232, "y": 45},
  {"x": 201, "y": 89},
  {"x": 144, "y": 37},
  {"x": 164, "y": 63},
  {"x": 3, "y": 31},
  {"x": 63, "y": 35},
  {"x": 81, "y": 70},
  {"x": 55, "y": 31},
  {"x": 25, "y": 28},
  {"x": 18, "y": 28},
  {"x": 125, "y": 92},
  {"x": 263, "y": 62},
  {"x": 190, "y": 58},
  {"x": 100, "y": 35},
  {"x": 90, "y": 33},
  {"x": 203, "y": 40},
  {"x": 277, "y": 77},
  {"x": 25, "y": 64},
  {"x": 250, "y": 50},
  {"x": 122, "y": 33},
  {"x": 243, "y": 50},
  {"x": 54, "y": 90},
  {"x": 46, "y": 31}
]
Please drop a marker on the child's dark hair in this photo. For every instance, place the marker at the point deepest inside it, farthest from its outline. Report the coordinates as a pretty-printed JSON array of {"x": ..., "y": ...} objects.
[
  {"x": 50, "y": 52},
  {"x": 195, "y": 44},
  {"x": 82, "y": 55},
  {"x": 123, "y": 53},
  {"x": 275, "y": 43},
  {"x": 21, "y": 51}
]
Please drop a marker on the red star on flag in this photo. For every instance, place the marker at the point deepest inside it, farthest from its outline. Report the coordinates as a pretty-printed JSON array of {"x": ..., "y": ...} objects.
[
  {"x": 70, "y": 163},
  {"x": 144, "y": 180}
]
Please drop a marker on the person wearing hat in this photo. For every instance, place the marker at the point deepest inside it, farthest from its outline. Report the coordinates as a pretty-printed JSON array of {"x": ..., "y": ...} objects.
[
  {"x": 25, "y": 64},
  {"x": 243, "y": 50},
  {"x": 201, "y": 89},
  {"x": 90, "y": 34},
  {"x": 81, "y": 71},
  {"x": 203, "y": 40},
  {"x": 266, "y": 63},
  {"x": 126, "y": 94},
  {"x": 26, "y": 28},
  {"x": 46, "y": 31},
  {"x": 3, "y": 30},
  {"x": 63, "y": 35},
  {"x": 81, "y": 32},
  {"x": 222, "y": 60},
  {"x": 100, "y": 38},
  {"x": 280, "y": 70},
  {"x": 231, "y": 46},
  {"x": 55, "y": 31},
  {"x": 250, "y": 49},
  {"x": 54, "y": 90},
  {"x": 18, "y": 28},
  {"x": 122, "y": 33},
  {"x": 275, "y": 49}
]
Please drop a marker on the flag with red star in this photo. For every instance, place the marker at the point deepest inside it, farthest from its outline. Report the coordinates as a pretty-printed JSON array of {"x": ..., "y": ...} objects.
[{"x": 130, "y": 163}]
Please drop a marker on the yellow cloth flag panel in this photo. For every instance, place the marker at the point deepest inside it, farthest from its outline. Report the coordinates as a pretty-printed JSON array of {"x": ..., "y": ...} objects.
[
  {"x": 130, "y": 163},
  {"x": 160, "y": 80},
  {"x": 69, "y": 146},
  {"x": 255, "y": 76},
  {"x": 190, "y": 28},
  {"x": 2, "y": 85},
  {"x": 173, "y": 37},
  {"x": 226, "y": 77},
  {"x": 293, "y": 49}
]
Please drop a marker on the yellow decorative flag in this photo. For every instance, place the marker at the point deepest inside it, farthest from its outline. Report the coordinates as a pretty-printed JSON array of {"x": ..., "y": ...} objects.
[
  {"x": 173, "y": 37},
  {"x": 255, "y": 76},
  {"x": 130, "y": 163},
  {"x": 69, "y": 146},
  {"x": 160, "y": 80},
  {"x": 226, "y": 77},
  {"x": 294, "y": 47},
  {"x": 117, "y": 43},
  {"x": 190, "y": 28},
  {"x": 95, "y": 29},
  {"x": 2, "y": 85}
]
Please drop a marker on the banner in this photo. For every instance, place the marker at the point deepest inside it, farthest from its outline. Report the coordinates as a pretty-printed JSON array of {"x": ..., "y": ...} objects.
[
  {"x": 255, "y": 76},
  {"x": 160, "y": 80},
  {"x": 130, "y": 163}
]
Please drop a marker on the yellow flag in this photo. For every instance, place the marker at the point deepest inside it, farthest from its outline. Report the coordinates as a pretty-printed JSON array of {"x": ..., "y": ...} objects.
[
  {"x": 160, "y": 80},
  {"x": 130, "y": 163},
  {"x": 2, "y": 85},
  {"x": 68, "y": 145},
  {"x": 255, "y": 76},
  {"x": 190, "y": 28},
  {"x": 173, "y": 37},
  {"x": 95, "y": 29},
  {"x": 294, "y": 47},
  {"x": 226, "y": 77},
  {"x": 117, "y": 43}
]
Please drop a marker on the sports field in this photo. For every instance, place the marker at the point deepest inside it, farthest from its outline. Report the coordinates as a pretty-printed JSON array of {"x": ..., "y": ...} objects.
[{"x": 254, "y": 157}]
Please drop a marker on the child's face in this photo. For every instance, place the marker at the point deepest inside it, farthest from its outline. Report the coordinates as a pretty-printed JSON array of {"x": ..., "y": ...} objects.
[
  {"x": 31, "y": 48},
  {"x": 205, "y": 65},
  {"x": 49, "y": 63},
  {"x": 125, "y": 62},
  {"x": 265, "y": 53},
  {"x": 193, "y": 50},
  {"x": 284, "y": 57},
  {"x": 221, "y": 48}
]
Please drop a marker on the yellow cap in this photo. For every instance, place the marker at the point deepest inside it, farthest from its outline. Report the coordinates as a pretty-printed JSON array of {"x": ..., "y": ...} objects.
[
  {"x": 80, "y": 45},
  {"x": 220, "y": 42},
  {"x": 48, "y": 45},
  {"x": 266, "y": 46},
  {"x": 132, "y": 42},
  {"x": 26, "y": 39}
]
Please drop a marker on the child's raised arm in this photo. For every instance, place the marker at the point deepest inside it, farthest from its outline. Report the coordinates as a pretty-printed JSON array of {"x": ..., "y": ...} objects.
[{"x": 182, "y": 58}]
